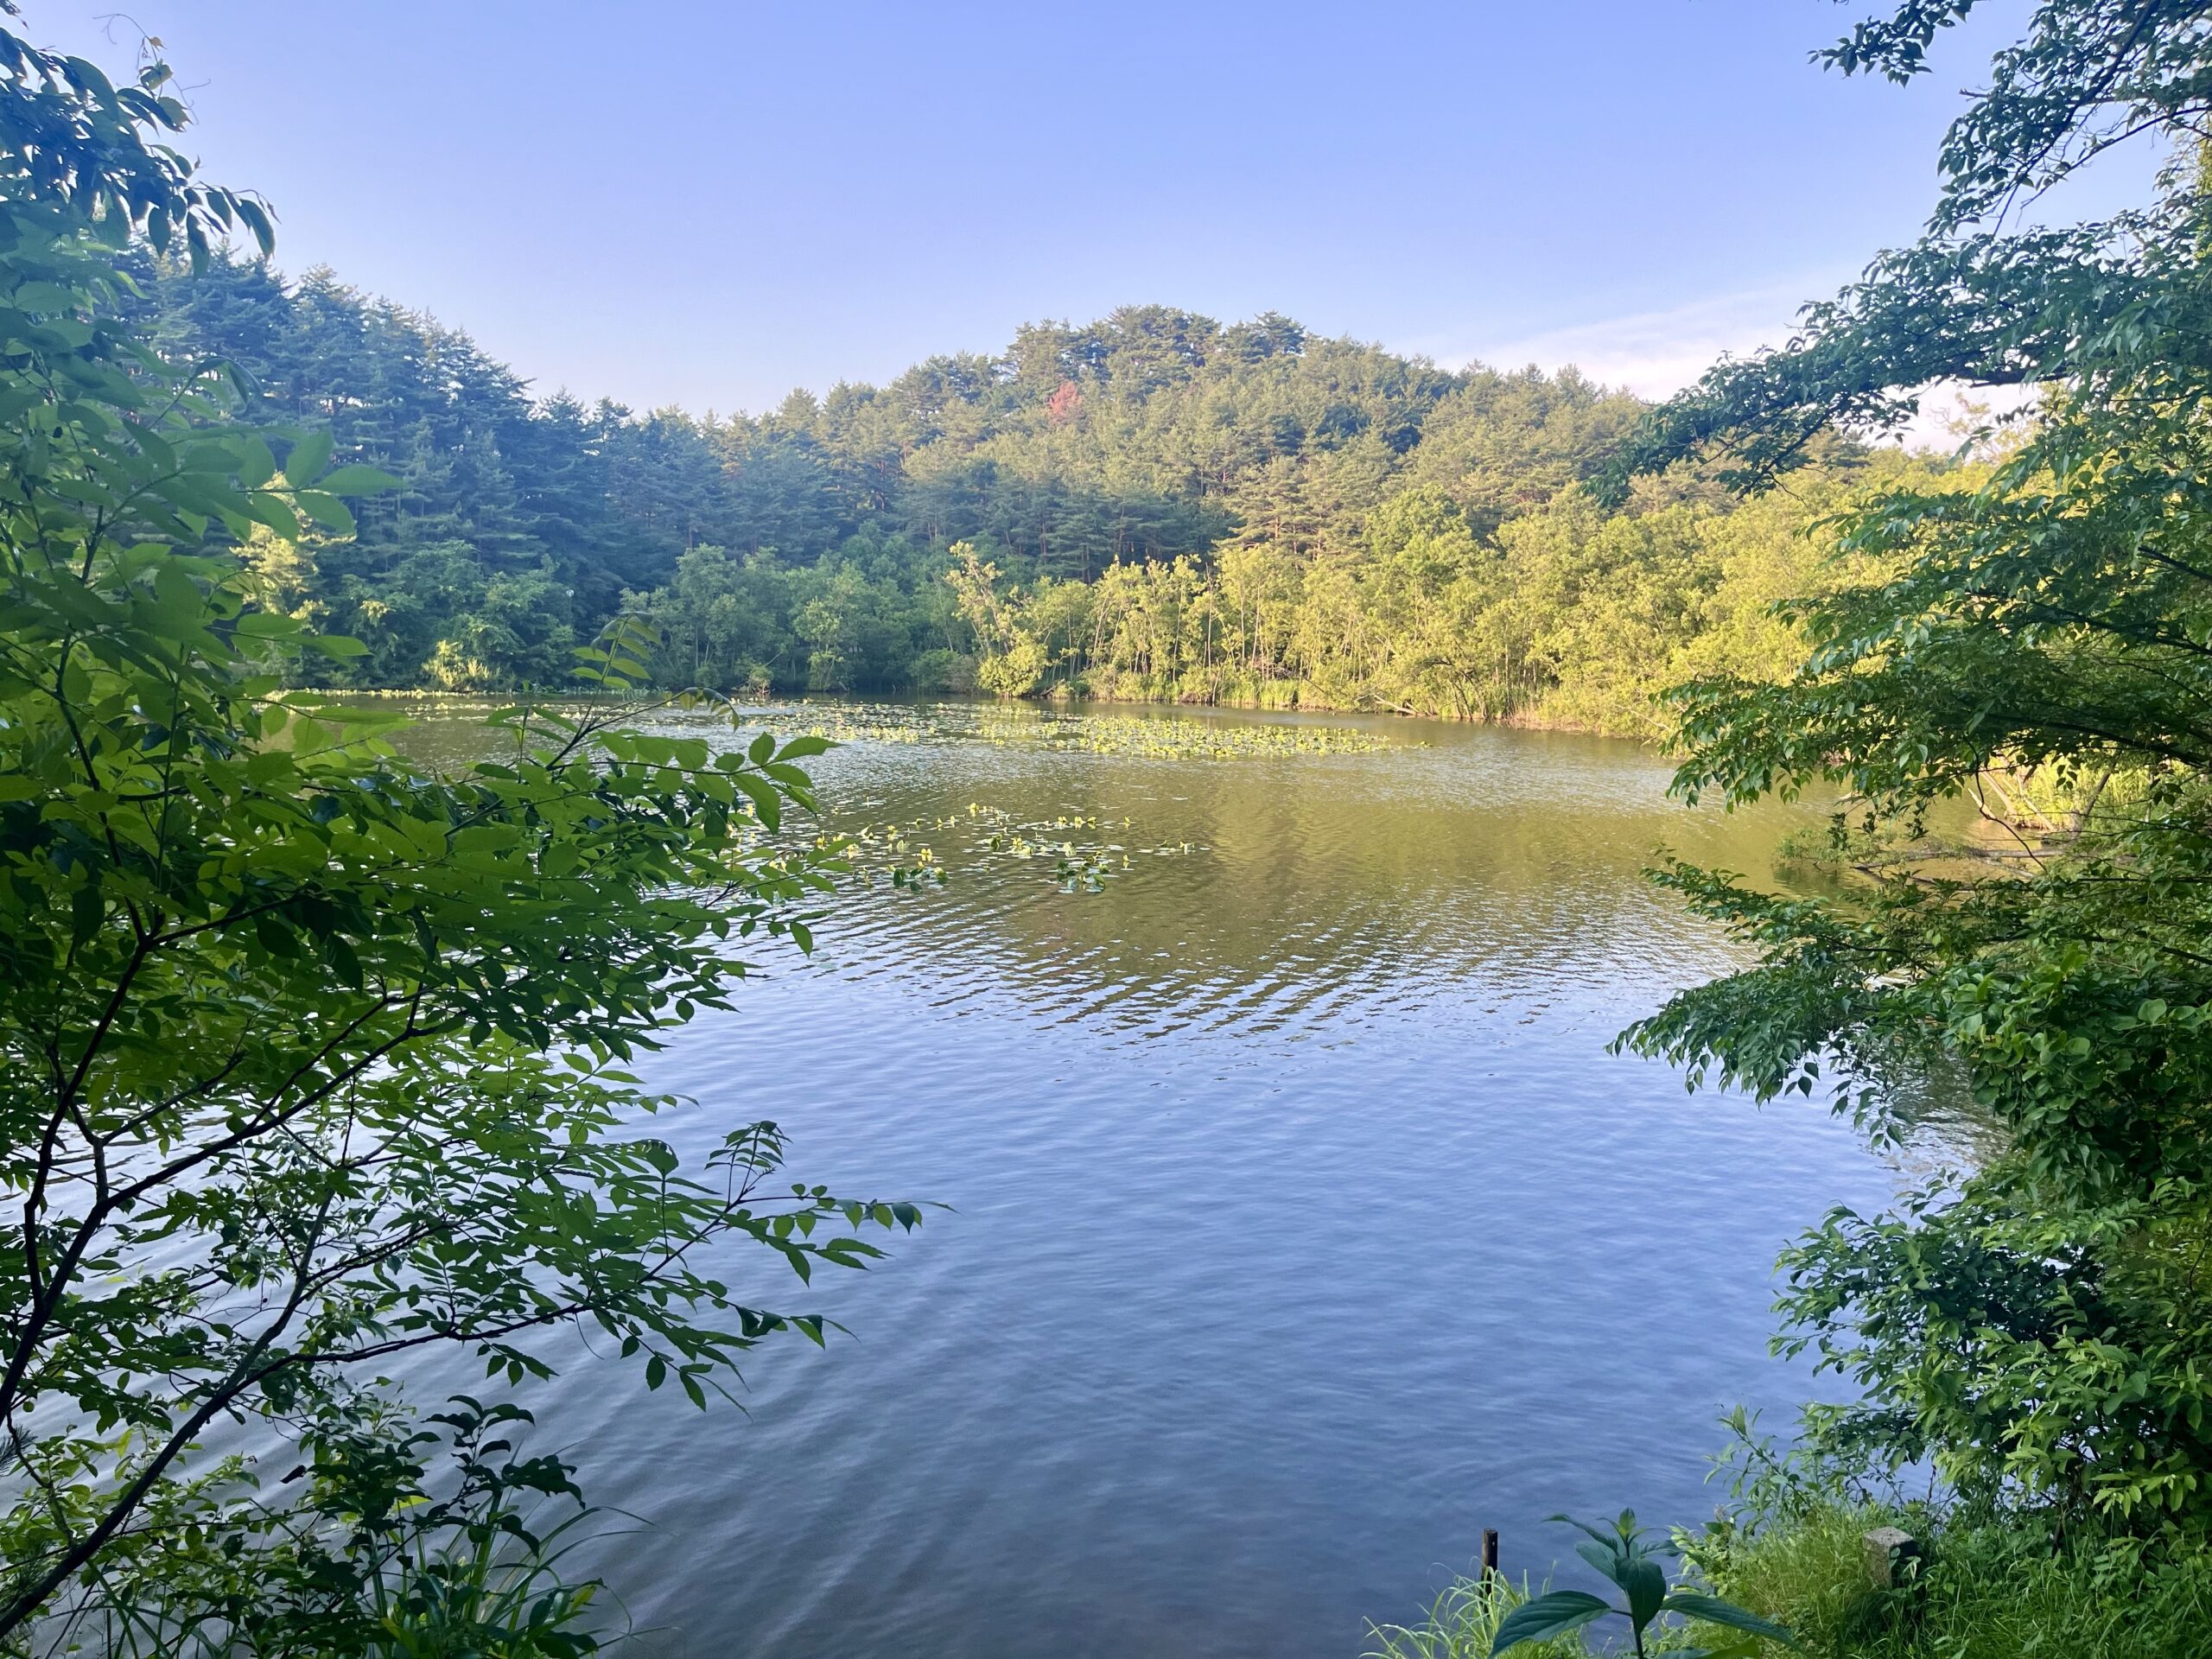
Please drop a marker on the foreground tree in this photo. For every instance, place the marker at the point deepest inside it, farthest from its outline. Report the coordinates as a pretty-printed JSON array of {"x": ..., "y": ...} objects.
[
  {"x": 310, "y": 1056},
  {"x": 2041, "y": 647}
]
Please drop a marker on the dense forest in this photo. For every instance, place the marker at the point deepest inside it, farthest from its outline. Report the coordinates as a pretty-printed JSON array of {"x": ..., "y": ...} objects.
[{"x": 1154, "y": 506}]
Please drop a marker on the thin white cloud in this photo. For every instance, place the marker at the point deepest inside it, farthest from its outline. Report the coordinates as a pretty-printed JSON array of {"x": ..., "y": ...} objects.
[
  {"x": 1652, "y": 353},
  {"x": 1656, "y": 353},
  {"x": 1953, "y": 413}
]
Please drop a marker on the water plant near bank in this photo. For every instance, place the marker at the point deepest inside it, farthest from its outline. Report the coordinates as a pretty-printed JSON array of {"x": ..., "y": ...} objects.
[
  {"x": 1990, "y": 1589},
  {"x": 1625, "y": 1554},
  {"x": 1482, "y": 1616}
]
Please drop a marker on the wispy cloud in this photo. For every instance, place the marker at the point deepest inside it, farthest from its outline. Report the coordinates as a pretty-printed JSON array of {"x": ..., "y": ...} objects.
[
  {"x": 1656, "y": 353},
  {"x": 1652, "y": 353}
]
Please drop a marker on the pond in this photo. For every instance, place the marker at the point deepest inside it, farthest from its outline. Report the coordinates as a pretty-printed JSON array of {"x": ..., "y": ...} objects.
[{"x": 1302, "y": 1225}]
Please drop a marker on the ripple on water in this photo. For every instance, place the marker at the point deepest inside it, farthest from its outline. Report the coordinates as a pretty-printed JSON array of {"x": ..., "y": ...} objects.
[{"x": 1303, "y": 1226}]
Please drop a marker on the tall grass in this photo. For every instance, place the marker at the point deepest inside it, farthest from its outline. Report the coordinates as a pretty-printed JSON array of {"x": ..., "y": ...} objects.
[
  {"x": 492, "y": 1594},
  {"x": 1989, "y": 1590},
  {"x": 1460, "y": 1624}
]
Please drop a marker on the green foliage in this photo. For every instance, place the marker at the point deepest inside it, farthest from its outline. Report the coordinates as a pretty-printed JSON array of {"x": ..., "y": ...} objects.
[
  {"x": 1564, "y": 615},
  {"x": 70, "y": 137},
  {"x": 1988, "y": 1589},
  {"x": 2041, "y": 1327},
  {"x": 369, "y": 1553},
  {"x": 1478, "y": 1616},
  {"x": 1462, "y": 1624},
  {"x": 1620, "y": 1552},
  {"x": 310, "y": 1057}
]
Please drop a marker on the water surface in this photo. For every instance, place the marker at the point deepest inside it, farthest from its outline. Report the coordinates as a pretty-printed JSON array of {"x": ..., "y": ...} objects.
[{"x": 1303, "y": 1226}]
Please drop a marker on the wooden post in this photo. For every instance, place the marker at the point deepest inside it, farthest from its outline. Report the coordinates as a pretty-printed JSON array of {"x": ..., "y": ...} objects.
[{"x": 1489, "y": 1554}]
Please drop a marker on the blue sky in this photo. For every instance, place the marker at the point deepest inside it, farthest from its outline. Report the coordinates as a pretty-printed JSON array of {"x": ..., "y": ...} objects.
[{"x": 710, "y": 203}]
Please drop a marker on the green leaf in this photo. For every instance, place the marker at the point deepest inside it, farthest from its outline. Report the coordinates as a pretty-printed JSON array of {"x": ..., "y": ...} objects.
[
  {"x": 303, "y": 466},
  {"x": 257, "y": 220},
  {"x": 325, "y": 510},
  {"x": 1547, "y": 1616},
  {"x": 1714, "y": 1611},
  {"x": 1645, "y": 1583},
  {"x": 1743, "y": 1648},
  {"x": 357, "y": 481},
  {"x": 46, "y": 296},
  {"x": 275, "y": 512},
  {"x": 256, "y": 465},
  {"x": 87, "y": 911},
  {"x": 767, "y": 799},
  {"x": 1605, "y": 1557}
]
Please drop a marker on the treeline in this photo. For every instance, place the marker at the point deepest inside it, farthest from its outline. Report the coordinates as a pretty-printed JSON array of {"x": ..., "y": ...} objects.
[
  {"x": 1566, "y": 615},
  {"x": 1153, "y": 505}
]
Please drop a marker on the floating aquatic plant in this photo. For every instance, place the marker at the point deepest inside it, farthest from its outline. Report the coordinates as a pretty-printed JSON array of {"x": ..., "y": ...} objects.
[
  {"x": 1164, "y": 737},
  {"x": 1075, "y": 847},
  {"x": 1081, "y": 857},
  {"x": 1177, "y": 739}
]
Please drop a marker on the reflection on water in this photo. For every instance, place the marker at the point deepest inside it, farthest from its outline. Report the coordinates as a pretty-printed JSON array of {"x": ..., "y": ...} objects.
[{"x": 1302, "y": 1228}]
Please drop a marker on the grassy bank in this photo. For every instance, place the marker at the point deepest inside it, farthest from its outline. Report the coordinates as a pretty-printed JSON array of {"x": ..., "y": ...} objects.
[{"x": 1992, "y": 1590}]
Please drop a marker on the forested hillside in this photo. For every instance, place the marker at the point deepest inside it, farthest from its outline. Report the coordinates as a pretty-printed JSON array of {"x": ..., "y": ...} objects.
[{"x": 1152, "y": 505}]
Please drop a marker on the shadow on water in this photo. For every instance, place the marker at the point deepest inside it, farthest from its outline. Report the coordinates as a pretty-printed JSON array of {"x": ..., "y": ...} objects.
[{"x": 1303, "y": 1226}]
